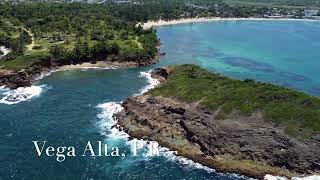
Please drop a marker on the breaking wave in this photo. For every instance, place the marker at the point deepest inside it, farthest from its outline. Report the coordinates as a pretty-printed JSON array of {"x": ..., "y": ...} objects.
[
  {"x": 173, "y": 156},
  {"x": 307, "y": 178},
  {"x": 152, "y": 82},
  {"x": 21, "y": 94},
  {"x": 106, "y": 126},
  {"x": 107, "y": 122},
  {"x": 110, "y": 108},
  {"x": 270, "y": 177}
]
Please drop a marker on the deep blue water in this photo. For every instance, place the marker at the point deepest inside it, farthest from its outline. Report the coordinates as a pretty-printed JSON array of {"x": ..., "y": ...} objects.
[{"x": 74, "y": 106}]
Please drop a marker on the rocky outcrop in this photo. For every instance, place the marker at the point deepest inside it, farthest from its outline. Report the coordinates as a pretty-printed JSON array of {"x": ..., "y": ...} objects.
[
  {"x": 243, "y": 144},
  {"x": 15, "y": 80}
]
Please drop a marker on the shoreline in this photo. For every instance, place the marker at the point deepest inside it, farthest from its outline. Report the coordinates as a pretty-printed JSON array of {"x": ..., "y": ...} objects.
[
  {"x": 159, "y": 119},
  {"x": 97, "y": 65},
  {"x": 150, "y": 24},
  {"x": 15, "y": 79}
]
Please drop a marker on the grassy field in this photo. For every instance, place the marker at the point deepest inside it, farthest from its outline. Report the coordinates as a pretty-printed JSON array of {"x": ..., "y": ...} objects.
[
  {"x": 296, "y": 112},
  {"x": 42, "y": 47},
  {"x": 24, "y": 61}
]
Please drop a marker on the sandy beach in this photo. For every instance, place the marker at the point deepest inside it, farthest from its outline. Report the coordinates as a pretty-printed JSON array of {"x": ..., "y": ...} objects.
[
  {"x": 98, "y": 65},
  {"x": 161, "y": 22}
]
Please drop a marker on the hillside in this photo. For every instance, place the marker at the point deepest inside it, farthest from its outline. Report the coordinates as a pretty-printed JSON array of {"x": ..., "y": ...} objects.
[
  {"x": 296, "y": 112},
  {"x": 61, "y": 33},
  {"x": 230, "y": 125}
]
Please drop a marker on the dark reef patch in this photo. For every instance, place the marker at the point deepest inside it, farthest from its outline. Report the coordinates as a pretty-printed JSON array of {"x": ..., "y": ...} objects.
[
  {"x": 248, "y": 64},
  {"x": 293, "y": 76},
  {"x": 211, "y": 53}
]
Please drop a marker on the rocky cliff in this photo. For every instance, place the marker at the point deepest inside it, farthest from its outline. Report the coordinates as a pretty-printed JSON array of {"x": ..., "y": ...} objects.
[{"x": 243, "y": 144}]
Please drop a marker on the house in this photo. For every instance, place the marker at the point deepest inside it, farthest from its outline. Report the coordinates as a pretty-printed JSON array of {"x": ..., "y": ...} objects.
[{"x": 310, "y": 13}]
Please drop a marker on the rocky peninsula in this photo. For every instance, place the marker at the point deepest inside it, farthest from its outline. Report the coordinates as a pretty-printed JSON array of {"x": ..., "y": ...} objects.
[{"x": 251, "y": 142}]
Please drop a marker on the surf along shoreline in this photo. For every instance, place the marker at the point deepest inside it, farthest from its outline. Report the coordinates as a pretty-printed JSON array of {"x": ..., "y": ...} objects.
[
  {"x": 106, "y": 65},
  {"x": 24, "y": 78},
  {"x": 185, "y": 127},
  {"x": 13, "y": 79},
  {"x": 161, "y": 22}
]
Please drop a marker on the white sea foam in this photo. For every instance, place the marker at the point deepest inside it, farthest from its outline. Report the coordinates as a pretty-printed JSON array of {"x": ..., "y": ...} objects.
[
  {"x": 108, "y": 109},
  {"x": 47, "y": 73},
  {"x": 307, "y": 178},
  {"x": 270, "y": 177},
  {"x": 152, "y": 82},
  {"x": 3, "y": 89},
  {"x": 21, "y": 94},
  {"x": 174, "y": 157},
  {"x": 108, "y": 121},
  {"x": 95, "y": 67}
]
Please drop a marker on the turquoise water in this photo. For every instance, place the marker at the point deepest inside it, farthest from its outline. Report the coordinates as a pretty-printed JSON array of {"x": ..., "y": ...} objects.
[
  {"x": 75, "y": 106},
  {"x": 281, "y": 52}
]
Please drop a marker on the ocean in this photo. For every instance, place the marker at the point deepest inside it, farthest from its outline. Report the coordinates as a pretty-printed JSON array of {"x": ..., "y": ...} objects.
[{"x": 70, "y": 108}]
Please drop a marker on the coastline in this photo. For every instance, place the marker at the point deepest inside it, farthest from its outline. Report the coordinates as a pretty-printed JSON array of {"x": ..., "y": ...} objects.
[
  {"x": 22, "y": 86},
  {"x": 150, "y": 24},
  {"x": 98, "y": 65},
  {"x": 15, "y": 79},
  {"x": 176, "y": 125}
]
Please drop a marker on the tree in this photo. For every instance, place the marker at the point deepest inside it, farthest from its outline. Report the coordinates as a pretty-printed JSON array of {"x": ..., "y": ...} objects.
[
  {"x": 115, "y": 48},
  {"x": 57, "y": 52},
  {"x": 100, "y": 51}
]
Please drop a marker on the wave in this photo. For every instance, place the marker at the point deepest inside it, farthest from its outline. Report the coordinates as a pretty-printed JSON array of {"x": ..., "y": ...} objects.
[
  {"x": 173, "y": 156},
  {"x": 270, "y": 177},
  {"x": 108, "y": 122},
  {"x": 95, "y": 67},
  {"x": 3, "y": 89},
  {"x": 107, "y": 128},
  {"x": 46, "y": 73},
  {"x": 306, "y": 178},
  {"x": 21, "y": 94},
  {"x": 152, "y": 82},
  {"x": 111, "y": 108},
  {"x": 118, "y": 135},
  {"x": 165, "y": 152},
  {"x": 68, "y": 68}
]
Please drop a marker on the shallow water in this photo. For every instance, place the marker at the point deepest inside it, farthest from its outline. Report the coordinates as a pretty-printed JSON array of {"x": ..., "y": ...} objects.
[
  {"x": 75, "y": 106},
  {"x": 281, "y": 52}
]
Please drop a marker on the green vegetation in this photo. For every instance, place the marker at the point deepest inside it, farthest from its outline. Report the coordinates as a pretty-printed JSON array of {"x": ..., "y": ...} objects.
[
  {"x": 41, "y": 32},
  {"x": 14, "y": 37},
  {"x": 296, "y": 112},
  {"x": 70, "y": 33}
]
